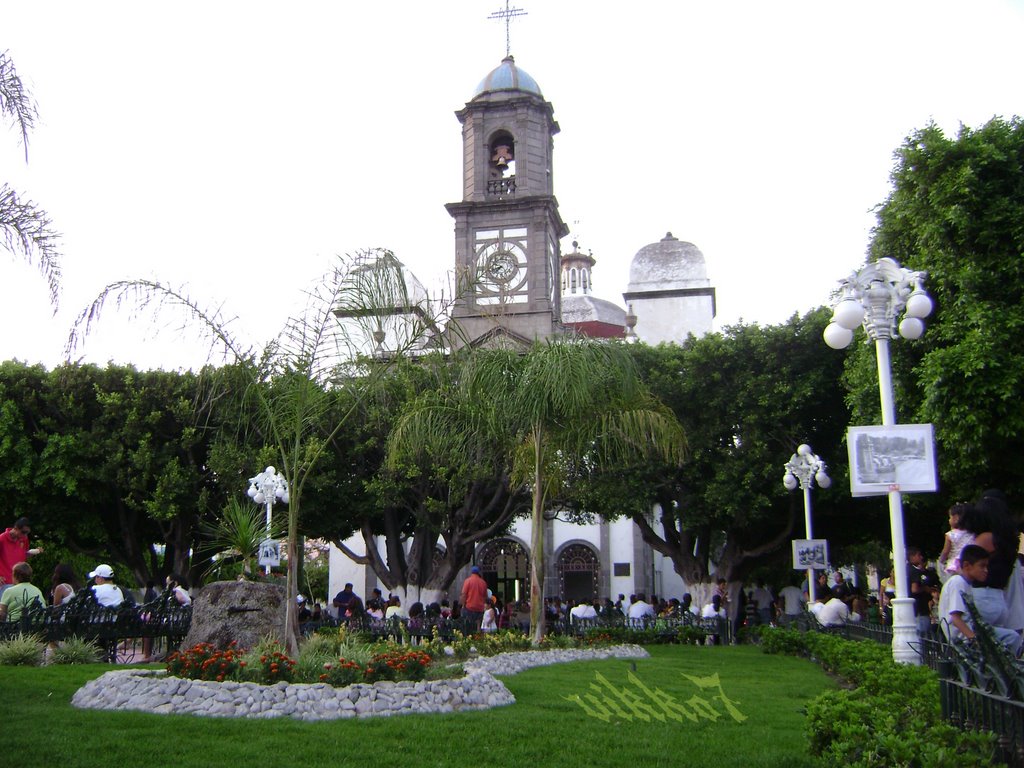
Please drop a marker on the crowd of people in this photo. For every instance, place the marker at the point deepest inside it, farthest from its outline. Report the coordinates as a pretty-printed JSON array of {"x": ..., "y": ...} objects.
[
  {"x": 980, "y": 563},
  {"x": 480, "y": 609},
  {"x": 18, "y": 594}
]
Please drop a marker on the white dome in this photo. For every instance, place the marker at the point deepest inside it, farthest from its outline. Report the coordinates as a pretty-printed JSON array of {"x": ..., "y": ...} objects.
[{"x": 667, "y": 264}]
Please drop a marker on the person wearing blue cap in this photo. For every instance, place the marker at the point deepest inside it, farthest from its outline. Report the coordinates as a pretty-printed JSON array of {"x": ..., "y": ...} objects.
[{"x": 474, "y": 598}]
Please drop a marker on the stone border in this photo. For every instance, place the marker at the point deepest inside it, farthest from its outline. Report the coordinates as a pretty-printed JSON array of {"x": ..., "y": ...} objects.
[{"x": 149, "y": 690}]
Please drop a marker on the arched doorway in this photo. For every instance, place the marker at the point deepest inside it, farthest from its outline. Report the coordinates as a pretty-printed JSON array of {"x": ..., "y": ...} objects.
[
  {"x": 505, "y": 566},
  {"x": 578, "y": 572}
]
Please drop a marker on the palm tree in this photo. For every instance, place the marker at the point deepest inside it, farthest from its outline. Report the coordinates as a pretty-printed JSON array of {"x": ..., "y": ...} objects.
[
  {"x": 292, "y": 383},
  {"x": 25, "y": 228},
  {"x": 236, "y": 535},
  {"x": 566, "y": 400}
]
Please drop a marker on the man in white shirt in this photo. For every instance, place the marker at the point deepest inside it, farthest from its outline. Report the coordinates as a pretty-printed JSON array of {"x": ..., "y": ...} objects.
[
  {"x": 793, "y": 600},
  {"x": 106, "y": 591},
  {"x": 641, "y": 608},
  {"x": 834, "y": 613},
  {"x": 762, "y": 598}
]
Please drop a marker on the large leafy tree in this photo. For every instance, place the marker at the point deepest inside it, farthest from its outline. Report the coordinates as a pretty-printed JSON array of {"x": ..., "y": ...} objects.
[
  {"x": 559, "y": 403},
  {"x": 957, "y": 212},
  {"x": 25, "y": 228},
  {"x": 746, "y": 397},
  {"x": 109, "y": 462}
]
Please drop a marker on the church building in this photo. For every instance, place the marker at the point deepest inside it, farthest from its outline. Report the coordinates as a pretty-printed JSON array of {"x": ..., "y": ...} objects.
[{"x": 518, "y": 287}]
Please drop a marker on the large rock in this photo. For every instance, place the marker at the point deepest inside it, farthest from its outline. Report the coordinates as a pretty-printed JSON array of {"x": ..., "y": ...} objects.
[{"x": 240, "y": 611}]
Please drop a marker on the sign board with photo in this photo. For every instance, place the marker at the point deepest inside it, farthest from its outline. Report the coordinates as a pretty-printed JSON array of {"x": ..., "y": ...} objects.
[
  {"x": 900, "y": 457},
  {"x": 810, "y": 553},
  {"x": 270, "y": 552}
]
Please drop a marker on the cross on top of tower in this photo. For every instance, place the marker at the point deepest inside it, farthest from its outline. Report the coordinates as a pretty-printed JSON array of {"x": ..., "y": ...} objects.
[{"x": 507, "y": 14}]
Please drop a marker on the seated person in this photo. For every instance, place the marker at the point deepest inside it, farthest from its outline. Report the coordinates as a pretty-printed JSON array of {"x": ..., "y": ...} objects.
[
  {"x": 874, "y": 611},
  {"x": 20, "y": 596},
  {"x": 833, "y": 613},
  {"x": 641, "y": 609},
  {"x": 394, "y": 609},
  {"x": 304, "y": 613},
  {"x": 858, "y": 608},
  {"x": 374, "y": 610},
  {"x": 954, "y": 618},
  {"x": 714, "y": 609},
  {"x": 107, "y": 593},
  {"x": 583, "y": 610},
  {"x": 355, "y": 609},
  {"x": 178, "y": 588}
]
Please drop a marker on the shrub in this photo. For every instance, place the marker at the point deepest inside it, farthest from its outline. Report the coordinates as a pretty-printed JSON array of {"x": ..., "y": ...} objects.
[
  {"x": 504, "y": 641},
  {"x": 889, "y": 717},
  {"x": 550, "y": 642},
  {"x": 320, "y": 644},
  {"x": 444, "y": 672},
  {"x": 690, "y": 635},
  {"x": 205, "y": 662},
  {"x": 310, "y": 665},
  {"x": 274, "y": 667},
  {"x": 397, "y": 665},
  {"x": 75, "y": 650},
  {"x": 22, "y": 651},
  {"x": 341, "y": 672}
]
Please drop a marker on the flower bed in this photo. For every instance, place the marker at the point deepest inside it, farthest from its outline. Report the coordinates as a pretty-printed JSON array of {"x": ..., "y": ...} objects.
[{"x": 155, "y": 691}]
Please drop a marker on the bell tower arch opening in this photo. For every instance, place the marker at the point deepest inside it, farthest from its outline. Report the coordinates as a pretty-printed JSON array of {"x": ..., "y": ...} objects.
[{"x": 502, "y": 165}]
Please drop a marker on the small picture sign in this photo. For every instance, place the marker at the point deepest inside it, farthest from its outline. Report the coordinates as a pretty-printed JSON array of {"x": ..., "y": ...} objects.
[
  {"x": 270, "y": 552},
  {"x": 810, "y": 553}
]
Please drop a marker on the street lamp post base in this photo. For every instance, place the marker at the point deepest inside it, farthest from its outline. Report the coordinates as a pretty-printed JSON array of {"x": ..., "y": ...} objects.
[{"x": 905, "y": 637}]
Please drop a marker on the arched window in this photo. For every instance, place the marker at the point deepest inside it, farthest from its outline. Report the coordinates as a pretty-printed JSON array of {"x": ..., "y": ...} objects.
[
  {"x": 505, "y": 566},
  {"x": 579, "y": 570},
  {"x": 572, "y": 279}
]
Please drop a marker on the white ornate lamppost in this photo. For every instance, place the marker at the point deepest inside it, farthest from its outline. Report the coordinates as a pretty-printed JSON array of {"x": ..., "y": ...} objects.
[
  {"x": 874, "y": 297},
  {"x": 804, "y": 468},
  {"x": 266, "y": 488}
]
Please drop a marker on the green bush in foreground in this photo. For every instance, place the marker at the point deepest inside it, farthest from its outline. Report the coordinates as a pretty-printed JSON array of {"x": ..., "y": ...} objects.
[
  {"x": 22, "y": 651},
  {"x": 76, "y": 650},
  {"x": 890, "y": 717}
]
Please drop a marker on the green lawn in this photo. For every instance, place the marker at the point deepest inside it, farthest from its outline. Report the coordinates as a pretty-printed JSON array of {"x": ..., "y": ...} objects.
[{"x": 41, "y": 728}]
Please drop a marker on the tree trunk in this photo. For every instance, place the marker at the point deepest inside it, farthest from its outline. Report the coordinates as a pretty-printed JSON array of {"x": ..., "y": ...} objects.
[
  {"x": 291, "y": 614},
  {"x": 537, "y": 549},
  {"x": 410, "y": 594},
  {"x": 690, "y": 553}
]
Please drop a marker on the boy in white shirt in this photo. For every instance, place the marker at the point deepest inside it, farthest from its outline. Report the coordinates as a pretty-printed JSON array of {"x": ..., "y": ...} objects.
[{"x": 954, "y": 618}]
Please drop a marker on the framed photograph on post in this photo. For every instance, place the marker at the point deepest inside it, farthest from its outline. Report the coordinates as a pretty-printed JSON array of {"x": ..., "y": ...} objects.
[
  {"x": 810, "y": 553},
  {"x": 900, "y": 457}
]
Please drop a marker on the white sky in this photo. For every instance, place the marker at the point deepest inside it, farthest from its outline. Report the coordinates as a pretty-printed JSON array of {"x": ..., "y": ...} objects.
[{"x": 234, "y": 147}]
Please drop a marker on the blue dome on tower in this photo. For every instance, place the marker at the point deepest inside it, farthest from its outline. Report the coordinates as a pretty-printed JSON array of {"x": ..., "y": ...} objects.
[{"x": 507, "y": 77}]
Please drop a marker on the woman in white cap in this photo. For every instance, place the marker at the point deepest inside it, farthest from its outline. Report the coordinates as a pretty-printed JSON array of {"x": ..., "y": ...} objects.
[{"x": 106, "y": 591}]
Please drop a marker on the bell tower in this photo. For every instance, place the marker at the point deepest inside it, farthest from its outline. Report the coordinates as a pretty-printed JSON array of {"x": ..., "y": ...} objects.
[{"x": 507, "y": 226}]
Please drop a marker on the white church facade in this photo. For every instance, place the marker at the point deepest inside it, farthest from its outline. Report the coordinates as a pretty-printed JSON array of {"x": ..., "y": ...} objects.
[{"x": 508, "y": 233}]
